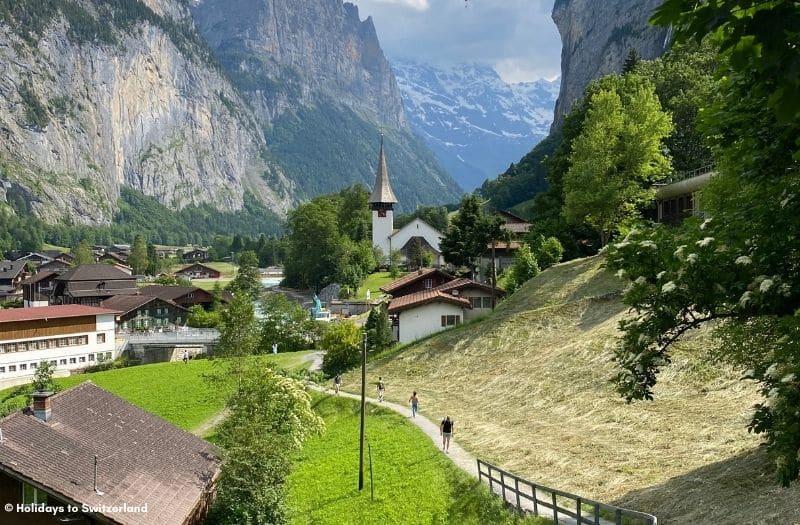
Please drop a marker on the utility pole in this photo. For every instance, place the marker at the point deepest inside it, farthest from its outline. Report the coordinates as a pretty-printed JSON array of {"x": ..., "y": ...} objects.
[{"x": 363, "y": 405}]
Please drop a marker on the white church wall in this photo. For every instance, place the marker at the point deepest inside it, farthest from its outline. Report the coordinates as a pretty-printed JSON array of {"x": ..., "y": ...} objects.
[{"x": 382, "y": 228}]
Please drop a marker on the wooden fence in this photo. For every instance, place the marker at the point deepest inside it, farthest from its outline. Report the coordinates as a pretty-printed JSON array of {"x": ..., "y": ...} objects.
[{"x": 560, "y": 506}]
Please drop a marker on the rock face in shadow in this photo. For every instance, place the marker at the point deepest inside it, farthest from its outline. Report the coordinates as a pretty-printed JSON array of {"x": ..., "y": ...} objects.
[{"x": 596, "y": 37}]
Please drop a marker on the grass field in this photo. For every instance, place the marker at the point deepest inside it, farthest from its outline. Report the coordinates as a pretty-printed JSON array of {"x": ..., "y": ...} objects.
[
  {"x": 373, "y": 283},
  {"x": 178, "y": 392},
  {"x": 529, "y": 388},
  {"x": 414, "y": 482}
]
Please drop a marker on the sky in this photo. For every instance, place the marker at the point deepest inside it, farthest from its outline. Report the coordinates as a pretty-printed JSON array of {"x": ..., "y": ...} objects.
[{"x": 516, "y": 37}]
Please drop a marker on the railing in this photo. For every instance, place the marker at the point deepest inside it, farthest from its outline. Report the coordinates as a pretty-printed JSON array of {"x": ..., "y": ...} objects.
[
  {"x": 531, "y": 498},
  {"x": 683, "y": 175},
  {"x": 191, "y": 335}
]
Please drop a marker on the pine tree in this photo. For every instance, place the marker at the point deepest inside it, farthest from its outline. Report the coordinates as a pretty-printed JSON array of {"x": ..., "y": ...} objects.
[
  {"x": 139, "y": 259},
  {"x": 631, "y": 61}
]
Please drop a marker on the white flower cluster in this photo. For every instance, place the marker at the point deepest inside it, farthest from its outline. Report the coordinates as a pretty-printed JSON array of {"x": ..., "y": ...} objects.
[
  {"x": 691, "y": 258},
  {"x": 705, "y": 242},
  {"x": 661, "y": 274},
  {"x": 668, "y": 287},
  {"x": 745, "y": 298},
  {"x": 743, "y": 260},
  {"x": 679, "y": 252},
  {"x": 766, "y": 284},
  {"x": 648, "y": 244},
  {"x": 705, "y": 223}
]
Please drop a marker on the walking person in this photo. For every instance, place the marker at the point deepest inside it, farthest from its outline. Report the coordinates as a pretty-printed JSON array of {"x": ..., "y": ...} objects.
[
  {"x": 337, "y": 382},
  {"x": 414, "y": 403},
  {"x": 446, "y": 430},
  {"x": 381, "y": 389},
  {"x": 186, "y": 357}
]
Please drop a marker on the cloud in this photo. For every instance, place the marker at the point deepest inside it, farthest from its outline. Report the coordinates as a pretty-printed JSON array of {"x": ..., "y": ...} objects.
[{"x": 516, "y": 37}]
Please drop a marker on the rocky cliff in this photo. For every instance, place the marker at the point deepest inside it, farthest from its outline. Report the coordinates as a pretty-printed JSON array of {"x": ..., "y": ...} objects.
[
  {"x": 596, "y": 37},
  {"x": 87, "y": 106},
  {"x": 96, "y": 95}
]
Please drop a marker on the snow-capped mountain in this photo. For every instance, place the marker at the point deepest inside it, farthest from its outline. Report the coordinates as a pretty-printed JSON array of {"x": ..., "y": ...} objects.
[{"x": 475, "y": 123}]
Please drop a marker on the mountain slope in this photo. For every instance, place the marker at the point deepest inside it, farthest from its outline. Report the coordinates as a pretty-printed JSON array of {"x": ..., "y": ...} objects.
[
  {"x": 475, "y": 123},
  {"x": 99, "y": 94},
  {"x": 529, "y": 389},
  {"x": 322, "y": 89}
]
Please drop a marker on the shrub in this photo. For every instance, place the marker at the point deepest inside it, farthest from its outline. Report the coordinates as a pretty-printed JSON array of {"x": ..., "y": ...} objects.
[{"x": 342, "y": 345}]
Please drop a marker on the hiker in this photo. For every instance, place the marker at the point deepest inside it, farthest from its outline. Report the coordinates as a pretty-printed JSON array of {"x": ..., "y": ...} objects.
[
  {"x": 186, "y": 357},
  {"x": 414, "y": 403},
  {"x": 274, "y": 348},
  {"x": 381, "y": 389},
  {"x": 337, "y": 382},
  {"x": 446, "y": 430}
]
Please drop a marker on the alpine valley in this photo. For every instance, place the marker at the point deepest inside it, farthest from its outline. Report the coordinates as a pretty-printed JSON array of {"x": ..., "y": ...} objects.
[
  {"x": 474, "y": 122},
  {"x": 103, "y": 102}
]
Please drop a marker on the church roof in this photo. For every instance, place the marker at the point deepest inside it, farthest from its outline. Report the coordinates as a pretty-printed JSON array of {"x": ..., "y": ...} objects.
[{"x": 382, "y": 192}]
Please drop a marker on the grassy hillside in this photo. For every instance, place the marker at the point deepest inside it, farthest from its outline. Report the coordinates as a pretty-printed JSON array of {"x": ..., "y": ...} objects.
[{"x": 529, "y": 389}]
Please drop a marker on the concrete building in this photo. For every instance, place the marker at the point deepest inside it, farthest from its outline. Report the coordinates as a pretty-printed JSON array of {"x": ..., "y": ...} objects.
[{"x": 70, "y": 337}]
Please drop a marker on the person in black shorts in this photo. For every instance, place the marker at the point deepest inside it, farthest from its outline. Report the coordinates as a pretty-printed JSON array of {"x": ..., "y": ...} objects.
[
  {"x": 446, "y": 430},
  {"x": 381, "y": 389},
  {"x": 337, "y": 383}
]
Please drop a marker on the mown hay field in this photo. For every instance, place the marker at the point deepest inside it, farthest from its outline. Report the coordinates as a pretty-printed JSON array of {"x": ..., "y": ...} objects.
[{"x": 529, "y": 388}]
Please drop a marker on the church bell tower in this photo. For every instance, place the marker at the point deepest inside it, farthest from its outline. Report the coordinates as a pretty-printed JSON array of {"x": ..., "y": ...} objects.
[{"x": 381, "y": 202}]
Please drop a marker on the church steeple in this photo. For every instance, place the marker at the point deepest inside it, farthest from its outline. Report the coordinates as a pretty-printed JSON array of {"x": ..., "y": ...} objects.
[{"x": 382, "y": 195}]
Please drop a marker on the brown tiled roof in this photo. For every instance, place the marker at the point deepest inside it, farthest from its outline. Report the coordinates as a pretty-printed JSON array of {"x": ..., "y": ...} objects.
[
  {"x": 51, "y": 312},
  {"x": 170, "y": 293},
  {"x": 462, "y": 283},
  {"x": 95, "y": 272},
  {"x": 198, "y": 265},
  {"x": 424, "y": 297},
  {"x": 412, "y": 277},
  {"x": 382, "y": 192},
  {"x": 128, "y": 303},
  {"x": 39, "y": 277},
  {"x": 141, "y": 458}
]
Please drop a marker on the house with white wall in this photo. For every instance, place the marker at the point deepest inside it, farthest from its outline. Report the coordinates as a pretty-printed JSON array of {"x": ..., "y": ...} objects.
[{"x": 70, "y": 337}]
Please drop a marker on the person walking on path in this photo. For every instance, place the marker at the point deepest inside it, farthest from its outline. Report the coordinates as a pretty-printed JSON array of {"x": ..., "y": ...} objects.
[
  {"x": 186, "y": 357},
  {"x": 414, "y": 403},
  {"x": 381, "y": 389},
  {"x": 337, "y": 382},
  {"x": 446, "y": 430}
]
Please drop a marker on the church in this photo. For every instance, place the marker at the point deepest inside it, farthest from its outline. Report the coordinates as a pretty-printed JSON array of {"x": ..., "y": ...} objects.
[{"x": 384, "y": 235}]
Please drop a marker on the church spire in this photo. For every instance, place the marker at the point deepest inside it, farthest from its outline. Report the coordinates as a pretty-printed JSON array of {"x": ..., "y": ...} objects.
[{"x": 382, "y": 191}]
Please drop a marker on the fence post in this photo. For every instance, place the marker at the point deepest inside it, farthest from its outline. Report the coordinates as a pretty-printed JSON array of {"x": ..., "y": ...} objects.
[
  {"x": 619, "y": 517},
  {"x": 516, "y": 491},
  {"x": 578, "y": 510},
  {"x": 555, "y": 507},
  {"x": 491, "y": 488},
  {"x": 596, "y": 514},
  {"x": 535, "y": 499},
  {"x": 503, "y": 484},
  {"x": 480, "y": 473}
]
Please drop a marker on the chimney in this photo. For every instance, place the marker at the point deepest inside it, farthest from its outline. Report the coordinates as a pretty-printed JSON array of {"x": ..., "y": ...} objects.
[{"x": 41, "y": 404}]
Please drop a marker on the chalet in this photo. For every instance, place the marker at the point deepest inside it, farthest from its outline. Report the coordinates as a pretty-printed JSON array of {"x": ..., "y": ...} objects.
[
  {"x": 504, "y": 253},
  {"x": 89, "y": 284},
  {"x": 418, "y": 311},
  {"x": 183, "y": 296},
  {"x": 198, "y": 271},
  {"x": 417, "y": 281},
  {"x": 56, "y": 265},
  {"x": 68, "y": 336},
  {"x": 37, "y": 288},
  {"x": 95, "y": 458},
  {"x": 114, "y": 258},
  {"x": 514, "y": 224},
  {"x": 196, "y": 255},
  {"x": 138, "y": 312},
  {"x": 12, "y": 273}
]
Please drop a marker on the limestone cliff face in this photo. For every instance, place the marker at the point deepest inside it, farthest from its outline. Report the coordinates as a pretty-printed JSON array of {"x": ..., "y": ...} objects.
[
  {"x": 289, "y": 52},
  {"x": 80, "y": 119},
  {"x": 596, "y": 37}
]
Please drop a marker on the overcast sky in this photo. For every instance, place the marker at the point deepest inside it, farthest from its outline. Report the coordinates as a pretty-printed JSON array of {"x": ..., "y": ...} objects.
[{"x": 517, "y": 37}]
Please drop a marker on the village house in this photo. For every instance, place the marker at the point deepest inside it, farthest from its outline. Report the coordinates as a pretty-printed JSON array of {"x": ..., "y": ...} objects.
[
  {"x": 56, "y": 265},
  {"x": 108, "y": 460},
  {"x": 37, "y": 288},
  {"x": 514, "y": 224},
  {"x": 70, "y": 337},
  {"x": 198, "y": 271},
  {"x": 89, "y": 284},
  {"x": 142, "y": 312},
  {"x": 114, "y": 258},
  {"x": 184, "y": 296},
  {"x": 430, "y": 300},
  {"x": 12, "y": 273},
  {"x": 196, "y": 255}
]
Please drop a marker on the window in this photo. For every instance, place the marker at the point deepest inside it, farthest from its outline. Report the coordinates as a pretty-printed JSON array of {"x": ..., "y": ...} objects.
[
  {"x": 451, "y": 320},
  {"x": 72, "y": 360},
  {"x": 91, "y": 357},
  {"x": 12, "y": 368},
  {"x": 34, "y": 366},
  {"x": 23, "y": 366},
  {"x": 428, "y": 284},
  {"x": 83, "y": 340},
  {"x": 62, "y": 361},
  {"x": 108, "y": 355},
  {"x": 53, "y": 362},
  {"x": 82, "y": 359},
  {"x": 31, "y": 494},
  {"x": 101, "y": 338},
  {"x": 2, "y": 370}
]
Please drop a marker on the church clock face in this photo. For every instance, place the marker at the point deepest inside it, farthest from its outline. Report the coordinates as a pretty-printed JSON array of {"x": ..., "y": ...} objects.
[{"x": 382, "y": 212}]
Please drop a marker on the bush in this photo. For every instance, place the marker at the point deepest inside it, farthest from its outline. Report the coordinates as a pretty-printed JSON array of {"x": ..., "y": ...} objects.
[
  {"x": 547, "y": 250},
  {"x": 342, "y": 345}
]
